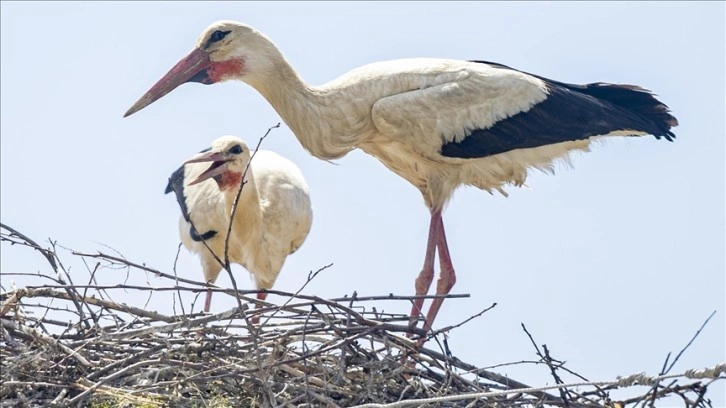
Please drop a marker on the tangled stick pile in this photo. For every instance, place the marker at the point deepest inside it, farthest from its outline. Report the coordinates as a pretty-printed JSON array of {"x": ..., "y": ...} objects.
[{"x": 307, "y": 352}]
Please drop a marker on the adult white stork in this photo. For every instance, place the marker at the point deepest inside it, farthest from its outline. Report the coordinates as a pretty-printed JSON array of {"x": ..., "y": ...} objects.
[
  {"x": 272, "y": 218},
  {"x": 438, "y": 123}
]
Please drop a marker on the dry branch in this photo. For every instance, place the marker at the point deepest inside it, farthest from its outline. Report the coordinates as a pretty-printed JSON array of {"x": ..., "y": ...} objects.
[{"x": 308, "y": 352}]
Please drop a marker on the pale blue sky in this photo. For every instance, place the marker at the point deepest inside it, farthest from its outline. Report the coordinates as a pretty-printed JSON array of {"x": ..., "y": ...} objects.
[{"x": 612, "y": 264}]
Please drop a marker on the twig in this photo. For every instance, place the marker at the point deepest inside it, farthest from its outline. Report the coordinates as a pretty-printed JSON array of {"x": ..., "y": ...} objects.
[
  {"x": 344, "y": 349},
  {"x": 115, "y": 375},
  {"x": 459, "y": 397},
  {"x": 72, "y": 292},
  {"x": 51, "y": 257},
  {"x": 101, "y": 255},
  {"x": 553, "y": 370},
  {"x": 326, "y": 352},
  {"x": 49, "y": 292},
  {"x": 402, "y": 297},
  {"x": 449, "y": 328},
  {"x": 46, "y": 253},
  {"x": 234, "y": 211},
  {"x": 176, "y": 276},
  {"x": 680, "y": 353},
  {"x": 292, "y": 296},
  {"x": 654, "y": 390},
  {"x": 45, "y": 339}
]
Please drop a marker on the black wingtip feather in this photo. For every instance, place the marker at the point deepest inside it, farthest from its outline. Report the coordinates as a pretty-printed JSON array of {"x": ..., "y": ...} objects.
[
  {"x": 633, "y": 98},
  {"x": 638, "y": 100},
  {"x": 569, "y": 112}
]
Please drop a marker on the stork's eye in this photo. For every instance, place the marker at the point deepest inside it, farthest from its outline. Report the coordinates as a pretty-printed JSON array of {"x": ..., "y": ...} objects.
[
  {"x": 236, "y": 149},
  {"x": 217, "y": 36}
]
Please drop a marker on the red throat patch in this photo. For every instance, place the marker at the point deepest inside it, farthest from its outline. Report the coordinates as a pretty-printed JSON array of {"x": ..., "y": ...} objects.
[
  {"x": 222, "y": 70},
  {"x": 228, "y": 180}
]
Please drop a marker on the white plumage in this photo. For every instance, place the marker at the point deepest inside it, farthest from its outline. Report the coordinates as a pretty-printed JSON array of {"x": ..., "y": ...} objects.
[
  {"x": 437, "y": 123},
  {"x": 272, "y": 218}
]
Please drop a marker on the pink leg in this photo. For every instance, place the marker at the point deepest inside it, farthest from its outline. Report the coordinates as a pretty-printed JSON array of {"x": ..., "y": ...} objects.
[
  {"x": 208, "y": 301},
  {"x": 260, "y": 296},
  {"x": 447, "y": 277},
  {"x": 424, "y": 279}
]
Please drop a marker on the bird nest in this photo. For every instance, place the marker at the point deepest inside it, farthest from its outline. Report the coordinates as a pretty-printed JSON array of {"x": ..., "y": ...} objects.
[{"x": 306, "y": 351}]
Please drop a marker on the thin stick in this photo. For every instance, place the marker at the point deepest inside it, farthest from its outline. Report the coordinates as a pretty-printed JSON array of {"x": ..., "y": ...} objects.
[
  {"x": 101, "y": 255},
  {"x": 680, "y": 353},
  {"x": 234, "y": 211}
]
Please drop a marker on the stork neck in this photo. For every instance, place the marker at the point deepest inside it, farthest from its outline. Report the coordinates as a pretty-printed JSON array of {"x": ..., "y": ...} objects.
[{"x": 316, "y": 116}]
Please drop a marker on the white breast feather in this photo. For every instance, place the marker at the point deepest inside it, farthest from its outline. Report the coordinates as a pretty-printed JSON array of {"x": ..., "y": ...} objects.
[{"x": 286, "y": 218}]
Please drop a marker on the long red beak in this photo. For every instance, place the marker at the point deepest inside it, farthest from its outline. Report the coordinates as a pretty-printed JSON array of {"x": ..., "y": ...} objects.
[
  {"x": 218, "y": 166},
  {"x": 191, "y": 68},
  {"x": 207, "y": 157}
]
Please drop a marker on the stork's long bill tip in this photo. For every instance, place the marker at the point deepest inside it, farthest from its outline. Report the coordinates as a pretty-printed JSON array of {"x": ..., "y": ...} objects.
[
  {"x": 184, "y": 71},
  {"x": 143, "y": 102},
  {"x": 133, "y": 109},
  {"x": 147, "y": 99}
]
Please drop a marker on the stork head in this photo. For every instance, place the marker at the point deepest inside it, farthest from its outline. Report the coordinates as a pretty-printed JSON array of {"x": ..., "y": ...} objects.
[
  {"x": 229, "y": 156},
  {"x": 225, "y": 50}
]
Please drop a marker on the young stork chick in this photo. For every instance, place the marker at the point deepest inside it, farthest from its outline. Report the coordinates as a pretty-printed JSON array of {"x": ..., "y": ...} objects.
[{"x": 273, "y": 214}]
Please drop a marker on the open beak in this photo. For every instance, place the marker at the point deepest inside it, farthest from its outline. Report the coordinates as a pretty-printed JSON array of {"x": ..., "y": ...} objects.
[
  {"x": 219, "y": 165},
  {"x": 191, "y": 68}
]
